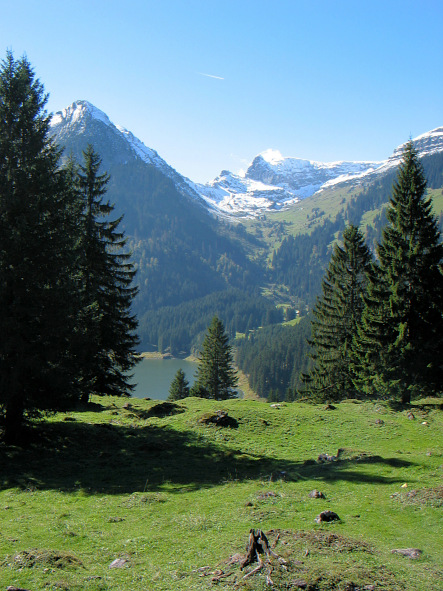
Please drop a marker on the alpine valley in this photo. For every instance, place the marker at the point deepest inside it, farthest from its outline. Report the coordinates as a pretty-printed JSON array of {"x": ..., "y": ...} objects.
[{"x": 250, "y": 248}]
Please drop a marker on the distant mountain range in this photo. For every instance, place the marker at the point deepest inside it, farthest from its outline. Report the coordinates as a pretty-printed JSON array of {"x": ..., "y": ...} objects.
[
  {"x": 272, "y": 182},
  {"x": 245, "y": 247}
]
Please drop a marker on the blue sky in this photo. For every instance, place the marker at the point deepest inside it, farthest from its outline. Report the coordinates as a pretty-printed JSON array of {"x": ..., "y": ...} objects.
[{"x": 209, "y": 84}]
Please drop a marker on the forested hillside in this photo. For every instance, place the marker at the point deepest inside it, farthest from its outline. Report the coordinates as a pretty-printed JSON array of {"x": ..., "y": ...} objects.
[
  {"x": 274, "y": 357},
  {"x": 179, "y": 329},
  {"x": 181, "y": 252}
]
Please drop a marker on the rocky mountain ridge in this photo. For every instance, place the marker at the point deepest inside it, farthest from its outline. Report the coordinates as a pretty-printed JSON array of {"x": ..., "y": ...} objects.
[{"x": 272, "y": 182}]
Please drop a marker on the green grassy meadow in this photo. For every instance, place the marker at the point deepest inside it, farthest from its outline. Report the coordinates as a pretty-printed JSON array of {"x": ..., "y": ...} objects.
[{"x": 175, "y": 498}]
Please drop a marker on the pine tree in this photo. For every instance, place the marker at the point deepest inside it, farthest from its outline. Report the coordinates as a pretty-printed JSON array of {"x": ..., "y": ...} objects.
[
  {"x": 337, "y": 314},
  {"x": 401, "y": 337},
  {"x": 216, "y": 377},
  {"x": 36, "y": 287},
  {"x": 179, "y": 388},
  {"x": 107, "y": 335}
]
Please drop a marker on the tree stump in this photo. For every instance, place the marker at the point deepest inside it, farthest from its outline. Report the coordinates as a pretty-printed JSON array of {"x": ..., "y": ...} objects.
[{"x": 258, "y": 546}]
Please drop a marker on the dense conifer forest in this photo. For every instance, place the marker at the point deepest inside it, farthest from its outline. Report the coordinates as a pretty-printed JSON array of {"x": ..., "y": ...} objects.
[
  {"x": 274, "y": 358},
  {"x": 179, "y": 329}
]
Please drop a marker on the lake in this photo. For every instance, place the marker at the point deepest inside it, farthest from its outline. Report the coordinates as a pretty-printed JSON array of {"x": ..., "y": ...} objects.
[{"x": 154, "y": 376}]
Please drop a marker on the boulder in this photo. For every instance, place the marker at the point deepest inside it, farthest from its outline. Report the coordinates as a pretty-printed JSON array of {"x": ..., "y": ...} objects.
[
  {"x": 119, "y": 563},
  {"x": 219, "y": 418},
  {"x": 326, "y": 516}
]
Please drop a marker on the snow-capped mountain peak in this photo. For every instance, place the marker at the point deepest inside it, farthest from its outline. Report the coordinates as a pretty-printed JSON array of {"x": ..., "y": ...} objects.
[
  {"x": 78, "y": 116},
  {"x": 271, "y": 182},
  {"x": 274, "y": 182},
  {"x": 426, "y": 144},
  {"x": 79, "y": 112},
  {"x": 89, "y": 124}
]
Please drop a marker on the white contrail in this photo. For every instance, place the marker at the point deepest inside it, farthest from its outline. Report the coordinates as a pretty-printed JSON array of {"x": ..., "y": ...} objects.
[{"x": 210, "y": 76}]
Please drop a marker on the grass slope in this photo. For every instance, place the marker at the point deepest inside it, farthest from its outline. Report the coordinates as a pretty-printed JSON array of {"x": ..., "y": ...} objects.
[
  {"x": 174, "y": 498},
  {"x": 306, "y": 215}
]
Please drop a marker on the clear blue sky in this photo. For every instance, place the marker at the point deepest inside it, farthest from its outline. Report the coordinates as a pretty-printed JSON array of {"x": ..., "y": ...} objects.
[{"x": 209, "y": 84}]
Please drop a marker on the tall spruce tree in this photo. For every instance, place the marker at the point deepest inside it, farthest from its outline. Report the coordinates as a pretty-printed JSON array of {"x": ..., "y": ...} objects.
[
  {"x": 401, "y": 336},
  {"x": 36, "y": 288},
  {"x": 107, "y": 336},
  {"x": 216, "y": 377},
  {"x": 337, "y": 314}
]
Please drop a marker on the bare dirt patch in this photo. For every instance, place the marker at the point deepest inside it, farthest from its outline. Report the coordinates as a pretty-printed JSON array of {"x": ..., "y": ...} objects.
[
  {"x": 325, "y": 542},
  {"x": 45, "y": 559},
  {"x": 424, "y": 497}
]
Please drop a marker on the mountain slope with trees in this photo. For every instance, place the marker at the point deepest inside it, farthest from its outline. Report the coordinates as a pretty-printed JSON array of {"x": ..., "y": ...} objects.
[{"x": 184, "y": 254}]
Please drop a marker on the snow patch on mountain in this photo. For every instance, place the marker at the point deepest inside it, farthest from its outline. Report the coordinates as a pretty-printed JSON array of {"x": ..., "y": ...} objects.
[
  {"x": 426, "y": 144},
  {"x": 273, "y": 182},
  {"x": 239, "y": 195}
]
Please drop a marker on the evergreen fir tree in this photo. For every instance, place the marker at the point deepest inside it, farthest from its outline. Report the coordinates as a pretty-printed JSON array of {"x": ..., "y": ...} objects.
[
  {"x": 216, "y": 377},
  {"x": 37, "y": 293},
  {"x": 107, "y": 333},
  {"x": 337, "y": 314},
  {"x": 401, "y": 337},
  {"x": 179, "y": 388}
]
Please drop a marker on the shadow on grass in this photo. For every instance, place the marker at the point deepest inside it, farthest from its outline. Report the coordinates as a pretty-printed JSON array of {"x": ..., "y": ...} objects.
[
  {"x": 113, "y": 459},
  {"x": 344, "y": 469},
  {"x": 426, "y": 405}
]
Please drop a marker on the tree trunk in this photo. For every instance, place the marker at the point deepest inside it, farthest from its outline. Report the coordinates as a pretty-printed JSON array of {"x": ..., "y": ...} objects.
[
  {"x": 13, "y": 420},
  {"x": 406, "y": 397},
  {"x": 84, "y": 399}
]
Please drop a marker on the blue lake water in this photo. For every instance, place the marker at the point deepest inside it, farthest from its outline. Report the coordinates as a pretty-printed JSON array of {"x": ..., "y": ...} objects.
[{"x": 154, "y": 376}]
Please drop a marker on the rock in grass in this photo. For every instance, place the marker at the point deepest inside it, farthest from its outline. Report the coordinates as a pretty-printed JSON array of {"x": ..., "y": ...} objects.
[
  {"x": 118, "y": 563},
  {"x": 316, "y": 494},
  {"x": 322, "y": 458},
  {"x": 326, "y": 516},
  {"x": 46, "y": 558},
  {"x": 266, "y": 495},
  {"x": 220, "y": 418},
  {"x": 412, "y": 553}
]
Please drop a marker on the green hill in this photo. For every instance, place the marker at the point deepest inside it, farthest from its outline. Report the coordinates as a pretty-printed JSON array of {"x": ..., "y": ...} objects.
[{"x": 173, "y": 496}]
